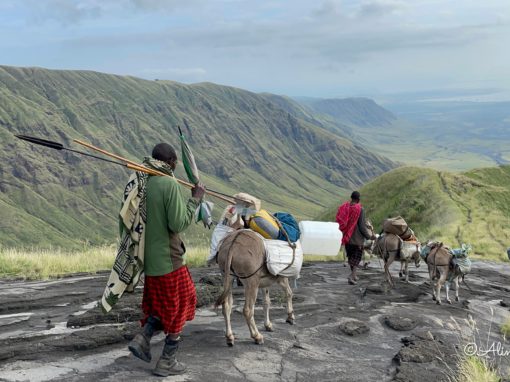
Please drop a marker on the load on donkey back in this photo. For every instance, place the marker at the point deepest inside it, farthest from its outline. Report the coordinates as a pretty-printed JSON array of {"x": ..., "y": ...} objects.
[
  {"x": 261, "y": 250},
  {"x": 397, "y": 242}
]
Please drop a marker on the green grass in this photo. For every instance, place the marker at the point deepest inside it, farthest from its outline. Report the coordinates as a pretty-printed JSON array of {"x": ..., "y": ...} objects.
[
  {"x": 48, "y": 263},
  {"x": 315, "y": 258},
  {"x": 197, "y": 256},
  {"x": 37, "y": 264},
  {"x": 505, "y": 328},
  {"x": 475, "y": 369},
  {"x": 470, "y": 366}
]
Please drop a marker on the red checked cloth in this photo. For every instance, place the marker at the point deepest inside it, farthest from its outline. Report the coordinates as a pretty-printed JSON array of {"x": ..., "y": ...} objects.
[
  {"x": 347, "y": 219},
  {"x": 171, "y": 298}
]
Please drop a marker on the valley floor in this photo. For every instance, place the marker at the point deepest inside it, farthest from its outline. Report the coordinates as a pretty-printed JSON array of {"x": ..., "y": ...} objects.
[{"x": 54, "y": 331}]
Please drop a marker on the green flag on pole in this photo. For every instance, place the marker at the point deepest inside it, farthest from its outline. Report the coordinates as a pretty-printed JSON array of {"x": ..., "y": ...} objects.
[
  {"x": 204, "y": 210},
  {"x": 188, "y": 160}
]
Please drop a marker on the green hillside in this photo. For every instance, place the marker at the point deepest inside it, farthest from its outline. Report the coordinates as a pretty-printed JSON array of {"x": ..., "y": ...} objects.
[
  {"x": 242, "y": 142},
  {"x": 472, "y": 207}
]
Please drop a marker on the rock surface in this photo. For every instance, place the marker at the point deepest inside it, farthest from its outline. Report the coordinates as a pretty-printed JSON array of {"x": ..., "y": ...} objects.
[
  {"x": 400, "y": 323},
  {"x": 54, "y": 331},
  {"x": 354, "y": 328}
]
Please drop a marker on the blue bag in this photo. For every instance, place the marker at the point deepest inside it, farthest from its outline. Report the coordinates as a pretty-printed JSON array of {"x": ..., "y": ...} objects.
[{"x": 290, "y": 226}]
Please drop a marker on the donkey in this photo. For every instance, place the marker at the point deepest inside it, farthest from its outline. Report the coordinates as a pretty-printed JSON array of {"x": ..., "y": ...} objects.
[
  {"x": 389, "y": 246},
  {"x": 438, "y": 262},
  {"x": 242, "y": 254}
]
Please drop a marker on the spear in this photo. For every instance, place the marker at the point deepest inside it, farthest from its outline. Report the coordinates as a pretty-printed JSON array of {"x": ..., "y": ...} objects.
[
  {"x": 120, "y": 161},
  {"x": 60, "y": 146}
]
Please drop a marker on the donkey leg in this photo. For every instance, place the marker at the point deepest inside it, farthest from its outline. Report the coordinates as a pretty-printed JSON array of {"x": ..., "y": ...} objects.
[
  {"x": 401, "y": 273},
  {"x": 284, "y": 283},
  {"x": 457, "y": 288},
  {"x": 431, "y": 275},
  {"x": 439, "y": 284},
  {"x": 267, "y": 304},
  {"x": 227, "y": 310},
  {"x": 250, "y": 295},
  {"x": 387, "y": 273},
  {"x": 447, "y": 287},
  {"x": 438, "y": 292},
  {"x": 387, "y": 264}
]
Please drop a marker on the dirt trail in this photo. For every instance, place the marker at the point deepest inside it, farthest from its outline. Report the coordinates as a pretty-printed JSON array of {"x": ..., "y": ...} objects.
[{"x": 53, "y": 330}]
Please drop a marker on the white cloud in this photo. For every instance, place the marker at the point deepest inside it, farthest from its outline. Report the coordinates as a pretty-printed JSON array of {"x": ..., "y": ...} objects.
[{"x": 286, "y": 45}]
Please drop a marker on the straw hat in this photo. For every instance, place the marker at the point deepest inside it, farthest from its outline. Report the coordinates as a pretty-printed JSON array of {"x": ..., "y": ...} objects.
[{"x": 247, "y": 200}]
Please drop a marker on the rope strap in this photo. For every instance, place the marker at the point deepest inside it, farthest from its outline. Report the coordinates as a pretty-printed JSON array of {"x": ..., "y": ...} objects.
[{"x": 292, "y": 245}]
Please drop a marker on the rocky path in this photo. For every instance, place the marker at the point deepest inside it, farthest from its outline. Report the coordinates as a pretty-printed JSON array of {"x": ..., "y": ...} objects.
[{"x": 53, "y": 330}]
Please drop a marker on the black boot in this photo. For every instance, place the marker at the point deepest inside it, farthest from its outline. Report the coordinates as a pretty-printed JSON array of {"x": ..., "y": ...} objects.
[
  {"x": 140, "y": 346},
  {"x": 168, "y": 364}
]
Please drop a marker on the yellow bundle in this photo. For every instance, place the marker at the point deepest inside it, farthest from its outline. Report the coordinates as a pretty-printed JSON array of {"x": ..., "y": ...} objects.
[{"x": 265, "y": 224}]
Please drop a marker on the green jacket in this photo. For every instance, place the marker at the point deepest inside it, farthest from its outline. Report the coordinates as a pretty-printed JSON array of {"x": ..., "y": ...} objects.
[{"x": 167, "y": 215}]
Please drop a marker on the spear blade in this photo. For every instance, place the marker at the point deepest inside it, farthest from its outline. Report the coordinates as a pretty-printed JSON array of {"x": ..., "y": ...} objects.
[
  {"x": 42, "y": 142},
  {"x": 60, "y": 146}
]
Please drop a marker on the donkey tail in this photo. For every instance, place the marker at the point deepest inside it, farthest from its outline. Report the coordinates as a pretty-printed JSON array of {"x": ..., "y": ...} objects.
[{"x": 227, "y": 280}]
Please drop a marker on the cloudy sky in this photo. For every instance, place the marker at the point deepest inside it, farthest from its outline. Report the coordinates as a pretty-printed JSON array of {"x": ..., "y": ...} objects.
[{"x": 294, "y": 47}]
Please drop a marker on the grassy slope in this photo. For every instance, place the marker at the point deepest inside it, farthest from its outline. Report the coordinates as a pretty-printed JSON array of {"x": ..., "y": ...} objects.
[
  {"x": 472, "y": 207},
  {"x": 55, "y": 262},
  {"x": 242, "y": 142}
]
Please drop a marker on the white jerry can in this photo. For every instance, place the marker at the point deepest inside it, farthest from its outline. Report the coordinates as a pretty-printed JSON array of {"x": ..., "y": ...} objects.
[{"x": 320, "y": 238}]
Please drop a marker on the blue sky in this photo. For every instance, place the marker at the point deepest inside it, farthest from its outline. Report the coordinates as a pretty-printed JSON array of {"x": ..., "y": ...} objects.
[{"x": 308, "y": 48}]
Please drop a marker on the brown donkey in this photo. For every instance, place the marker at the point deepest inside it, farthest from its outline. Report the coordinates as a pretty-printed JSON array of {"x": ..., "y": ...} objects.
[
  {"x": 242, "y": 253},
  {"x": 392, "y": 248},
  {"x": 438, "y": 262}
]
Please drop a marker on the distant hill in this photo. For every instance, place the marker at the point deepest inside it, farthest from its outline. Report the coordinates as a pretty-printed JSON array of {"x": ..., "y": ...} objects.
[
  {"x": 362, "y": 112},
  {"x": 242, "y": 142},
  {"x": 420, "y": 132},
  {"x": 363, "y": 121},
  {"x": 457, "y": 134},
  {"x": 472, "y": 207}
]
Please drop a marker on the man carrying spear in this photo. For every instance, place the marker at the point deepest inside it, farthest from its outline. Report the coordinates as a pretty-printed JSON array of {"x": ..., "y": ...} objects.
[
  {"x": 169, "y": 296},
  {"x": 152, "y": 215}
]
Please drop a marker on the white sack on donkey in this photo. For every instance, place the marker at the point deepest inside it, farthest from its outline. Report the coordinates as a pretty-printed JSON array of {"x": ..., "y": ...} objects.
[{"x": 282, "y": 259}]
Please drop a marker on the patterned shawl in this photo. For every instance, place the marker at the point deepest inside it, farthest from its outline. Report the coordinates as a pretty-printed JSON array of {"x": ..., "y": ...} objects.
[{"x": 128, "y": 265}]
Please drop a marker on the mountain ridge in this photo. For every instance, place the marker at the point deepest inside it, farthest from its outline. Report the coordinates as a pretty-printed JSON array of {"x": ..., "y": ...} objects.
[{"x": 242, "y": 142}]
